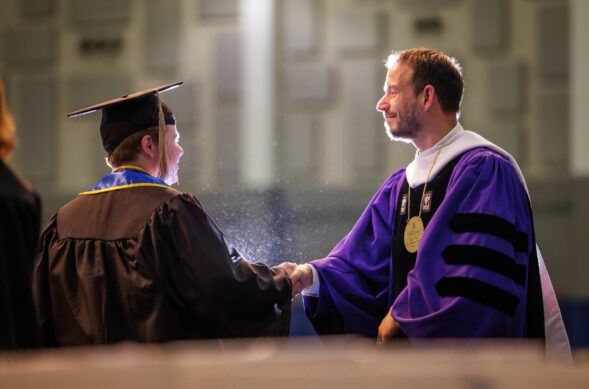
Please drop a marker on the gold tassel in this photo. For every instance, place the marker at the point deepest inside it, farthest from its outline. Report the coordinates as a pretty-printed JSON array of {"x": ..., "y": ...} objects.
[{"x": 164, "y": 163}]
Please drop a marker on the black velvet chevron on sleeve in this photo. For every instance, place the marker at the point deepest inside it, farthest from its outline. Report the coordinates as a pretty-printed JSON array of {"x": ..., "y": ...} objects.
[
  {"x": 490, "y": 224},
  {"x": 485, "y": 258},
  {"x": 480, "y": 291}
]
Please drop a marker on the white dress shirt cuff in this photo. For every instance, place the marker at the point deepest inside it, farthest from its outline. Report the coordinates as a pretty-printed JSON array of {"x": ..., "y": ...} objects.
[{"x": 314, "y": 289}]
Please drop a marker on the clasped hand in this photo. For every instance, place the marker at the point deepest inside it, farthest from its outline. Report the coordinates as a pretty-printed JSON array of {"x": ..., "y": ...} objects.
[
  {"x": 302, "y": 278},
  {"x": 300, "y": 275}
]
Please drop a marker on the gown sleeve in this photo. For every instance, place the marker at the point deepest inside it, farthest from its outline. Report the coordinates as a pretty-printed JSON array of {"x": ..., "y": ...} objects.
[
  {"x": 471, "y": 271},
  {"x": 201, "y": 272},
  {"x": 354, "y": 277}
]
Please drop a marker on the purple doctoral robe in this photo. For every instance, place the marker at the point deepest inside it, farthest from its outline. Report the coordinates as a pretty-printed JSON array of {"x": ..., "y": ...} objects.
[{"x": 474, "y": 262}]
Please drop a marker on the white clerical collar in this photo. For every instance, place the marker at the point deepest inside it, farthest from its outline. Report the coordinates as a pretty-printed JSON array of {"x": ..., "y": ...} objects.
[{"x": 455, "y": 143}]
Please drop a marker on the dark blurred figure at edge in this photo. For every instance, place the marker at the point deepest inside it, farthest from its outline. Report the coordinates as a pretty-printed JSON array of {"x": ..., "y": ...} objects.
[
  {"x": 133, "y": 259},
  {"x": 20, "y": 215}
]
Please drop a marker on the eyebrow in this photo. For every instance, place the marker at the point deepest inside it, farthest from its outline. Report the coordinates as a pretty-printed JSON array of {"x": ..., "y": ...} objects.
[{"x": 388, "y": 87}]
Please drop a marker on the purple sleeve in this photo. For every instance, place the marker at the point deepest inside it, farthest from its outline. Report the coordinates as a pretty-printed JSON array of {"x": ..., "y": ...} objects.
[
  {"x": 355, "y": 277},
  {"x": 470, "y": 274}
]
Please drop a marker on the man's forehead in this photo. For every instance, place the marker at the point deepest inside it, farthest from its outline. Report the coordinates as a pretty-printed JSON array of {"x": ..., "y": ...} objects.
[{"x": 399, "y": 73}]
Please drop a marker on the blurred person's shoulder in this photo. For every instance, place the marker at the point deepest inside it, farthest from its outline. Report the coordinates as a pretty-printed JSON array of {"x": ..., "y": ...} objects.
[{"x": 12, "y": 183}]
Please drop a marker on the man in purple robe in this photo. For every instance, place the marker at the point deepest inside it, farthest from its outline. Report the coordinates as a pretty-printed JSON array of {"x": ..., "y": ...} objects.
[{"x": 461, "y": 264}]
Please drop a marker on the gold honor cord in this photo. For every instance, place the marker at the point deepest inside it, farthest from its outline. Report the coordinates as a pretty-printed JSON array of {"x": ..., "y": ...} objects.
[
  {"x": 127, "y": 186},
  {"x": 414, "y": 228}
]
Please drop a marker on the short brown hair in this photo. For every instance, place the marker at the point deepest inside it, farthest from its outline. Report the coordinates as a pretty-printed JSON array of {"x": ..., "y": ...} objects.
[
  {"x": 432, "y": 67},
  {"x": 130, "y": 147},
  {"x": 7, "y": 128}
]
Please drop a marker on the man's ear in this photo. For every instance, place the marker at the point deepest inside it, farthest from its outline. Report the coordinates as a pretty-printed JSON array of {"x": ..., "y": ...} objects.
[
  {"x": 429, "y": 94},
  {"x": 148, "y": 146}
]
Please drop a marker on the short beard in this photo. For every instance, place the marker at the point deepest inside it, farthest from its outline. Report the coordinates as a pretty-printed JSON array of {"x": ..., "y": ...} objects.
[{"x": 409, "y": 125}]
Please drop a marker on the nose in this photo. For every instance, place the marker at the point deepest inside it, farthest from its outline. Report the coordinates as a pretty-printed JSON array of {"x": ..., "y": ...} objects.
[{"x": 382, "y": 104}]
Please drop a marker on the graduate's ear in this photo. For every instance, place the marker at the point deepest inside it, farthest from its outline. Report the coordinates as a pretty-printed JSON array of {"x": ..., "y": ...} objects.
[
  {"x": 428, "y": 96},
  {"x": 148, "y": 146}
]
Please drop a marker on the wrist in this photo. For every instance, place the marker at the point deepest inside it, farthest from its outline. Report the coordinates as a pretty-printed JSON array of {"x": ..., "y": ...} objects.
[{"x": 308, "y": 275}]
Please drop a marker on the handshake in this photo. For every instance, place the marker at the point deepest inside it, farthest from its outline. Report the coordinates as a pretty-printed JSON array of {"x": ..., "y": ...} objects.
[
  {"x": 300, "y": 275},
  {"x": 302, "y": 279}
]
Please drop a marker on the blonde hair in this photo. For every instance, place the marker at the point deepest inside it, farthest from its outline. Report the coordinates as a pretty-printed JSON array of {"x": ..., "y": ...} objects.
[
  {"x": 7, "y": 128},
  {"x": 162, "y": 129}
]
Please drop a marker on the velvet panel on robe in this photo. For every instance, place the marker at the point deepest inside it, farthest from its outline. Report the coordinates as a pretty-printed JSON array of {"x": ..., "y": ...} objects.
[
  {"x": 453, "y": 291},
  {"x": 148, "y": 264}
]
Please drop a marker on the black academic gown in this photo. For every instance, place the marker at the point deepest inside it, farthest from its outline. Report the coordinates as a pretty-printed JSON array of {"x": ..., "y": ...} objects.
[
  {"x": 147, "y": 264},
  {"x": 20, "y": 214}
]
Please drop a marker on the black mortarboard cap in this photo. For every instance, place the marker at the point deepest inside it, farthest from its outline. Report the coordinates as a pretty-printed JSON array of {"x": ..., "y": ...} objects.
[{"x": 128, "y": 114}]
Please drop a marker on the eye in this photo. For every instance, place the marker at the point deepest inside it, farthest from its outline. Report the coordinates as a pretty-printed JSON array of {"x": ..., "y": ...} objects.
[{"x": 391, "y": 91}]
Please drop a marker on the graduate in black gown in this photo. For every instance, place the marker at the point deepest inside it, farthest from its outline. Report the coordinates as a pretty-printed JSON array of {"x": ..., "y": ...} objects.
[
  {"x": 20, "y": 214},
  {"x": 134, "y": 259}
]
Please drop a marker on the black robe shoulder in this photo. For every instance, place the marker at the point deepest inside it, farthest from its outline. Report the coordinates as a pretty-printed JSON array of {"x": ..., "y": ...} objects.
[{"x": 20, "y": 215}]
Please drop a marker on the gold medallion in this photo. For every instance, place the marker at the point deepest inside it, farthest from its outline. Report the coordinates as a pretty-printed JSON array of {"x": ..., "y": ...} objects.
[
  {"x": 414, "y": 227},
  {"x": 413, "y": 233}
]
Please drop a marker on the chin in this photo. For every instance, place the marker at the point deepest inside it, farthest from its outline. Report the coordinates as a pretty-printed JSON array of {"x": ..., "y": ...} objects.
[
  {"x": 172, "y": 178},
  {"x": 394, "y": 137}
]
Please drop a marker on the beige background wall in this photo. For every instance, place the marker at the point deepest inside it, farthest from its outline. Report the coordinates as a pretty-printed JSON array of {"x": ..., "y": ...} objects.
[{"x": 524, "y": 62}]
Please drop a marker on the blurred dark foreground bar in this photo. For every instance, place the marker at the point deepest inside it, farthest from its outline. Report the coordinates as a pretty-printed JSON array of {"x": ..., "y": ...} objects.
[{"x": 338, "y": 362}]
